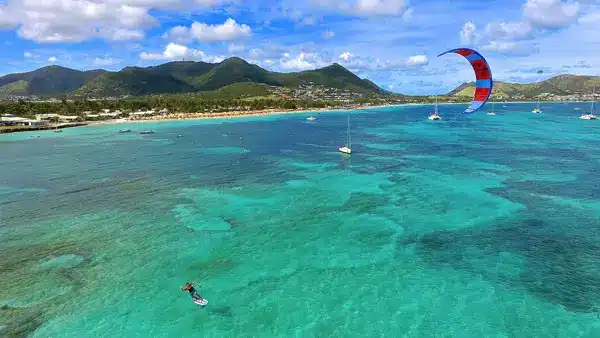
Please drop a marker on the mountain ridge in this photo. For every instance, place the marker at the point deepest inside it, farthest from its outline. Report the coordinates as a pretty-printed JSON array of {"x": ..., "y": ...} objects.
[
  {"x": 181, "y": 77},
  {"x": 174, "y": 77}
]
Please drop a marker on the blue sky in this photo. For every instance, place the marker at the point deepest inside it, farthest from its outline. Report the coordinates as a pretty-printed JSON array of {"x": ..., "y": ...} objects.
[{"x": 395, "y": 43}]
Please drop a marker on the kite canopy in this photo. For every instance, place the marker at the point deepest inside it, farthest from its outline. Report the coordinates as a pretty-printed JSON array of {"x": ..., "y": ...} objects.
[{"x": 483, "y": 75}]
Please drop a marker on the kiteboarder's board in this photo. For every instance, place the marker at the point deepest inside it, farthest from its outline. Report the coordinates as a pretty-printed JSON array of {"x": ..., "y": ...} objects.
[{"x": 200, "y": 301}]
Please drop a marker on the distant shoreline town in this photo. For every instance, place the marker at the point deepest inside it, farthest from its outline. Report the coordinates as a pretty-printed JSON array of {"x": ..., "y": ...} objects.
[{"x": 10, "y": 123}]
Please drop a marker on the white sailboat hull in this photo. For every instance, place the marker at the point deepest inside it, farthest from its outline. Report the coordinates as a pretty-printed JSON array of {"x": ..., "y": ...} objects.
[
  {"x": 345, "y": 150},
  {"x": 588, "y": 117}
]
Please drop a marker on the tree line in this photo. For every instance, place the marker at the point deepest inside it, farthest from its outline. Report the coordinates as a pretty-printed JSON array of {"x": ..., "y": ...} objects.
[{"x": 180, "y": 104}]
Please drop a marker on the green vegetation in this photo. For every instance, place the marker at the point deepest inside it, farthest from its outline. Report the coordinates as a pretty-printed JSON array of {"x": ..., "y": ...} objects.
[
  {"x": 562, "y": 85},
  {"x": 176, "y": 77},
  {"x": 51, "y": 80},
  {"x": 14, "y": 88}
]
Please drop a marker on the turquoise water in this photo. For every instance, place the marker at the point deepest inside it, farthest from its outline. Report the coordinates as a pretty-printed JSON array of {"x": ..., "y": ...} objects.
[{"x": 468, "y": 227}]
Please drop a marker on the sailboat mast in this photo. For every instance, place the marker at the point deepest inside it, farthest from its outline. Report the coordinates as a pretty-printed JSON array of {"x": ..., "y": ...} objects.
[
  {"x": 436, "y": 106},
  {"x": 348, "y": 132},
  {"x": 593, "y": 98}
]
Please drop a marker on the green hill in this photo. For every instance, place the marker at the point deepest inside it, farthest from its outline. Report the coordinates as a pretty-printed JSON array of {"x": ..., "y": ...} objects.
[
  {"x": 561, "y": 85},
  {"x": 134, "y": 81},
  {"x": 50, "y": 80},
  {"x": 177, "y": 77},
  {"x": 234, "y": 70}
]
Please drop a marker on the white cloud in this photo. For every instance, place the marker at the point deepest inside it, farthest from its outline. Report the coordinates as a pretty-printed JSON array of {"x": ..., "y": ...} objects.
[
  {"x": 410, "y": 62},
  {"x": 71, "y": 21},
  {"x": 328, "y": 34},
  {"x": 417, "y": 60},
  {"x": 345, "y": 56},
  {"x": 355, "y": 62},
  {"x": 366, "y": 7},
  {"x": 550, "y": 13},
  {"x": 468, "y": 33},
  {"x": 28, "y": 55},
  {"x": 175, "y": 51},
  {"x": 228, "y": 31},
  {"x": 509, "y": 30},
  {"x": 106, "y": 61},
  {"x": 303, "y": 61},
  {"x": 592, "y": 18},
  {"x": 52, "y": 59}
]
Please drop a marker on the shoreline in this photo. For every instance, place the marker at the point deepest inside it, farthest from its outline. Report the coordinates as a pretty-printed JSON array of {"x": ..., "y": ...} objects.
[
  {"x": 272, "y": 111},
  {"x": 22, "y": 129},
  {"x": 232, "y": 114},
  {"x": 242, "y": 113}
]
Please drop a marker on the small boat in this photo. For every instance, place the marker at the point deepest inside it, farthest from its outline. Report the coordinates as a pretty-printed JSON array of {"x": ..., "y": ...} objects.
[
  {"x": 179, "y": 135},
  {"x": 311, "y": 118},
  {"x": 58, "y": 131},
  {"x": 537, "y": 109},
  {"x": 435, "y": 116},
  {"x": 125, "y": 131},
  {"x": 346, "y": 149},
  {"x": 146, "y": 132},
  {"x": 590, "y": 115},
  {"x": 493, "y": 109}
]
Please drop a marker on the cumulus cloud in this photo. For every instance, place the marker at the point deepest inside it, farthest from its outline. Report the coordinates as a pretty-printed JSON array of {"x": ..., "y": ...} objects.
[
  {"x": 538, "y": 16},
  {"x": 592, "y": 18},
  {"x": 70, "y": 21},
  {"x": 175, "y": 51},
  {"x": 228, "y": 31},
  {"x": 366, "y": 7},
  {"x": 302, "y": 61},
  {"x": 468, "y": 33},
  {"x": 345, "y": 56},
  {"x": 52, "y": 59},
  {"x": 509, "y": 30},
  {"x": 28, "y": 55},
  {"x": 417, "y": 60},
  {"x": 550, "y": 13}
]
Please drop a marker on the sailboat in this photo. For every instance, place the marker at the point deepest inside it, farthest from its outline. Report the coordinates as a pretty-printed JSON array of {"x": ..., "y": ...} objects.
[
  {"x": 493, "y": 112},
  {"x": 435, "y": 115},
  {"x": 590, "y": 115},
  {"x": 346, "y": 149},
  {"x": 537, "y": 109}
]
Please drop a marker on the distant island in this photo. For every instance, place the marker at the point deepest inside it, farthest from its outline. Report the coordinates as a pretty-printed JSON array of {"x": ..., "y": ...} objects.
[{"x": 232, "y": 87}]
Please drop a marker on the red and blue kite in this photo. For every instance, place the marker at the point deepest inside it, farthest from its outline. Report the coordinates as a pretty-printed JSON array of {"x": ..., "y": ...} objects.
[{"x": 483, "y": 76}]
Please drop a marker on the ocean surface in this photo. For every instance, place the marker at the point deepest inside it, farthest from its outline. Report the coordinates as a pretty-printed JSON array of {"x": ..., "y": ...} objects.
[{"x": 473, "y": 226}]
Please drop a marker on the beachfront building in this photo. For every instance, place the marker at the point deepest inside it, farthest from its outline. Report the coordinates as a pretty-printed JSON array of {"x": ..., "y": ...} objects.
[
  {"x": 21, "y": 121},
  {"x": 56, "y": 117},
  {"x": 140, "y": 114}
]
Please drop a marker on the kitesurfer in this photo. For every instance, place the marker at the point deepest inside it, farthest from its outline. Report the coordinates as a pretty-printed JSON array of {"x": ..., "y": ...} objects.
[{"x": 190, "y": 288}]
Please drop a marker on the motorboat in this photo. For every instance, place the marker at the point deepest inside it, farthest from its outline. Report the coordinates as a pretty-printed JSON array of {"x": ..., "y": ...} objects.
[
  {"x": 147, "y": 132},
  {"x": 311, "y": 118}
]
